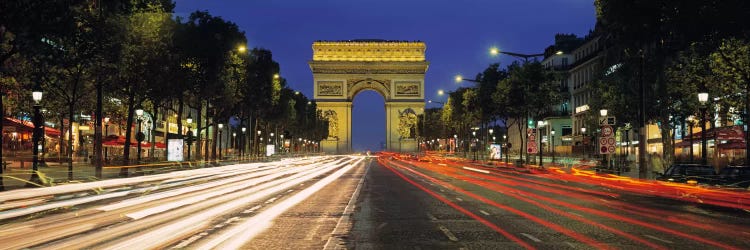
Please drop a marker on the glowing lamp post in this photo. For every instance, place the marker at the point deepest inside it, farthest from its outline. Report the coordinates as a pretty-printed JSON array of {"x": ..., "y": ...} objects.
[
  {"x": 190, "y": 137},
  {"x": 583, "y": 134},
  {"x": 552, "y": 145},
  {"x": 257, "y": 144},
  {"x": 539, "y": 126},
  {"x": 139, "y": 136},
  {"x": 242, "y": 143},
  {"x": 221, "y": 126},
  {"x": 703, "y": 98},
  {"x": 37, "y": 134}
]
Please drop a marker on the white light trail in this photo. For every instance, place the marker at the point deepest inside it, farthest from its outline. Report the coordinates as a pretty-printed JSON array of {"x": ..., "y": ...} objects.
[
  {"x": 179, "y": 229},
  {"x": 239, "y": 234}
]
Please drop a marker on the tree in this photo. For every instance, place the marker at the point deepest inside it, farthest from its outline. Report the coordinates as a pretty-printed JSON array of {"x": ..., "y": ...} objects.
[
  {"x": 145, "y": 43},
  {"x": 206, "y": 43},
  {"x": 731, "y": 61},
  {"x": 646, "y": 36},
  {"x": 528, "y": 92}
]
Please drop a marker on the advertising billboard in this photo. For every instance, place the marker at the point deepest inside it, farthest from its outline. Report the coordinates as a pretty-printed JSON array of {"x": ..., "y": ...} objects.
[
  {"x": 270, "y": 150},
  {"x": 495, "y": 152},
  {"x": 174, "y": 147}
]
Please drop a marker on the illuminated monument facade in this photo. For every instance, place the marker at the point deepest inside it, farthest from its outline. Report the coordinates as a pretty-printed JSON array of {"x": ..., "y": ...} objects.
[{"x": 394, "y": 69}]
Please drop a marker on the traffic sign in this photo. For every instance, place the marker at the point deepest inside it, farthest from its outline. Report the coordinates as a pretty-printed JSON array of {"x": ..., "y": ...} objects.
[
  {"x": 609, "y": 120},
  {"x": 607, "y": 131},
  {"x": 607, "y": 140},
  {"x": 531, "y": 147}
]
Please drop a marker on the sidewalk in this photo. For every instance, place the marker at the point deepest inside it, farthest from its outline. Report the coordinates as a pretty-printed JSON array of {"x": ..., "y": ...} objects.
[
  {"x": 54, "y": 173},
  {"x": 17, "y": 173}
]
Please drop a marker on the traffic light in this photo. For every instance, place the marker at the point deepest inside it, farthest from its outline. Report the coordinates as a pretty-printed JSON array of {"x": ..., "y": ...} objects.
[{"x": 531, "y": 123}]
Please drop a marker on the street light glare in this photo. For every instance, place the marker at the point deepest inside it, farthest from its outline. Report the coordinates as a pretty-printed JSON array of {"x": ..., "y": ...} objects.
[
  {"x": 459, "y": 78},
  {"x": 494, "y": 51},
  {"x": 559, "y": 52},
  {"x": 241, "y": 48},
  {"x": 703, "y": 97},
  {"x": 276, "y": 76},
  {"x": 440, "y": 92}
]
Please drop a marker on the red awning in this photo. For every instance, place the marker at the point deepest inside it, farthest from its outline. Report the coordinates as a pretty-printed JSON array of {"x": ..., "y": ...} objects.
[
  {"x": 732, "y": 135},
  {"x": 736, "y": 144},
  {"x": 28, "y": 126}
]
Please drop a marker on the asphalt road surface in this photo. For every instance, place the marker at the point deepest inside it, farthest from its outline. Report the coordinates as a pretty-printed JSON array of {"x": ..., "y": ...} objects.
[
  {"x": 453, "y": 205},
  {"x": 355, "y": 202}
]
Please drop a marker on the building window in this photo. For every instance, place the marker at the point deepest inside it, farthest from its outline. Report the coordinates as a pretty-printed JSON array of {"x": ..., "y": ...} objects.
[{"x": 565, "y": 61}]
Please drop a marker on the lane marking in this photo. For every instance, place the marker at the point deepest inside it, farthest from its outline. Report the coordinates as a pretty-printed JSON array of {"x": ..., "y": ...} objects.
[
  {"x": 487, "y": 223},
  {"x": 659, "y": 239},
  {"x": 382, "y": 225},
  {"x": 531, "y": 237},
  {"x": 345, "y": 221},
  {"x": 459, "y": 199},
  {"x": 290, "y": 190},
  {"x": 271, "y": 200},
  {"x": 477, "y": 170},
  {"x": 441, "y": 190},
  {"x": 448, "y": 233},
  {"x": 431, "y": 217},
  {"x": 187, "y": 242},
  {"x": 571, "y": 245},
  {"x": 252, "y": 209},
  {"x": 484, "y": 212},
  {"x": 576, "y": 214}
]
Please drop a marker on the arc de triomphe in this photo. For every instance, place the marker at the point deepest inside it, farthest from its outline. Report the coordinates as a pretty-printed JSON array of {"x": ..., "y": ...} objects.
[{"x": 394, "y": 69}]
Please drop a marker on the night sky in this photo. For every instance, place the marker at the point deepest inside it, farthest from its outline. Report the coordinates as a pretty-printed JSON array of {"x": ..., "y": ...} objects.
[{"x": 458, "y": 35}]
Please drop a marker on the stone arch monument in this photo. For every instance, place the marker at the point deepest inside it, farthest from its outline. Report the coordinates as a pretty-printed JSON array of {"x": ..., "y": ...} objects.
[{"x": 394, "y": 69}]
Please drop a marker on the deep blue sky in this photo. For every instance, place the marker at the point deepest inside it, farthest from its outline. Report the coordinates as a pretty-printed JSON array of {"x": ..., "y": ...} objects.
[{"x": 458, "y": 35}]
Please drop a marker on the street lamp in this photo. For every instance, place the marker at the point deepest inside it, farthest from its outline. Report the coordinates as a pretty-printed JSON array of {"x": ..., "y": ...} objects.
[
  {"x": 583, "y": 136},
  {"x": 190, "y": 137},
  {"x": 139, "y": 136},
  {"x": 272, "y": 140},
  {"x": 455, "y": 143},
  {"x": 282, "y": 142},
  {"x": 106, "y": 133},
  {"x": 234, "y": 143},
  {"x": 221, "y": 126},
  {"x": 474, "y": 142},
  {"x": 37, "y": 134},
  {"x": 703, "y": 98},
  {"x": 495, "y": 51},
  {"x": 491, "y": 131},
  {"x": 257, "y": 144},
  {"x": 540, "y": 124},
  {"x": 242, "y": 143},
  {"x": 552, "y": 133}
]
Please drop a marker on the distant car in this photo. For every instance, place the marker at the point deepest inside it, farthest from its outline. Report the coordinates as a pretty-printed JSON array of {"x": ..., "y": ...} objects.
[
  {"x": 689, "y": 173},
  {"x": 734, "y": 176}
]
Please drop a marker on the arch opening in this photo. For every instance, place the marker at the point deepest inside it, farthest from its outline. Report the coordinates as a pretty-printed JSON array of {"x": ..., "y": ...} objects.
[{"x": 368, "y": 121}]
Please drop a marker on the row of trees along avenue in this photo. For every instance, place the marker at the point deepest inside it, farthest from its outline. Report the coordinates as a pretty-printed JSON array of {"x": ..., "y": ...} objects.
[
  {"x": 141, "y": 55},
  {"x": 663, "y": 53}
]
